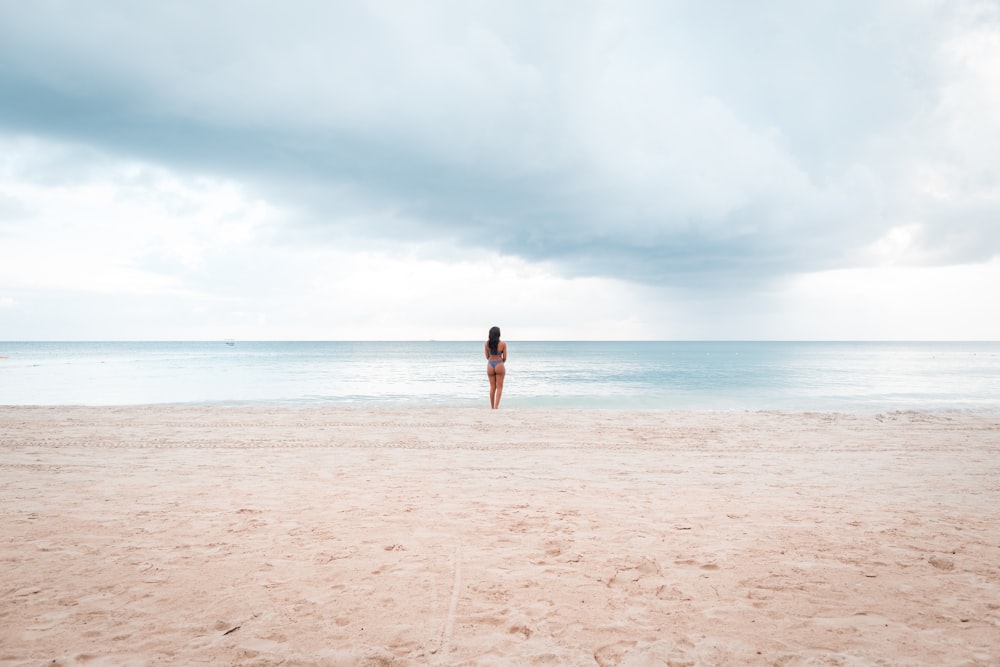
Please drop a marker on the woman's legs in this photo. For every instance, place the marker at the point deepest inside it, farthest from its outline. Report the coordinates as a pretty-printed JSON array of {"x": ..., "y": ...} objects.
[
  {"x": 498, "y": 374},
  {"x": 493, "y": 385}
]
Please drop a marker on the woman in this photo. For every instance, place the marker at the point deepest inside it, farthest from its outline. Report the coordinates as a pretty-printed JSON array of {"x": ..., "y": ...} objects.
[{"x": 496, "y": 355}]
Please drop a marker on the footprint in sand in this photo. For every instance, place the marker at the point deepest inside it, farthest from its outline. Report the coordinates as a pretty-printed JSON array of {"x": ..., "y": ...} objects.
[{"x": 942, "y": 563}]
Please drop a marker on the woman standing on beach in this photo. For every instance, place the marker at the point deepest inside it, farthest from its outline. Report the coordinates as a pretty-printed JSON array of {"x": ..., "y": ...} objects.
[{"x": 496, "y": 355}]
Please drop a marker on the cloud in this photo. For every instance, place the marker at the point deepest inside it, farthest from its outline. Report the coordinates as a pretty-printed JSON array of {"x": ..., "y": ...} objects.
[
  {"x": 131, "y": 248},
  {"x": 687, "y": 147},
  {"x": 124, "y": 227}
]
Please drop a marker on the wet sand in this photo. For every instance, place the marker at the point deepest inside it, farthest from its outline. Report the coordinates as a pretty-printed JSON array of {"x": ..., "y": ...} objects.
[{"x": 257, "y": 536}]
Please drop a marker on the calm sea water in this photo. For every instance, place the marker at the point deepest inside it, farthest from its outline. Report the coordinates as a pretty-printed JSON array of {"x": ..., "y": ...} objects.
[{"x": 866, "y": 377}]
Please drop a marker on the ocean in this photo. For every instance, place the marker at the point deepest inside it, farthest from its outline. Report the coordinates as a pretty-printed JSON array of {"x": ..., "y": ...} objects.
[{"x": 791, "y": 376}]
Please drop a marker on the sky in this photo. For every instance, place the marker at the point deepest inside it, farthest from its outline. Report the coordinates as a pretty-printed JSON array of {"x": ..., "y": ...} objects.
[{"x": 405, "y": 170}]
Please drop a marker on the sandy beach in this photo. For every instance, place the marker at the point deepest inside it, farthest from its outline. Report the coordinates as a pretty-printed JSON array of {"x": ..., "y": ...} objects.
[{"x": 258, "y": 536}]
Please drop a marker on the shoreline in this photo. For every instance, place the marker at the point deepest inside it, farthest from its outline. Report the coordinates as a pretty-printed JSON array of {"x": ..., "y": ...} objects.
[
  {"x": 786, "y": 376},
  {"x": 399, "y": 536},
  {"x": 991, "y": 411}
]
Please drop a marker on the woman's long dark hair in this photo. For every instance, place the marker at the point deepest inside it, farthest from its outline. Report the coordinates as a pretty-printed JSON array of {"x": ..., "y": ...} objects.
[{"x": 495, "y": 340}]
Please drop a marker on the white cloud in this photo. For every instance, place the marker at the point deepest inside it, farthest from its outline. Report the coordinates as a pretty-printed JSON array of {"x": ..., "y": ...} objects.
[
  {"x": 894, "y": 303},
  {"x": 107, "y": 229},
  {"x": 900, "y": 245}
]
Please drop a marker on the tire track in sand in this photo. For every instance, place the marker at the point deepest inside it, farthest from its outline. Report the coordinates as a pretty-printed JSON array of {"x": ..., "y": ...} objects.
[{"x": 456, "y": 591}]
